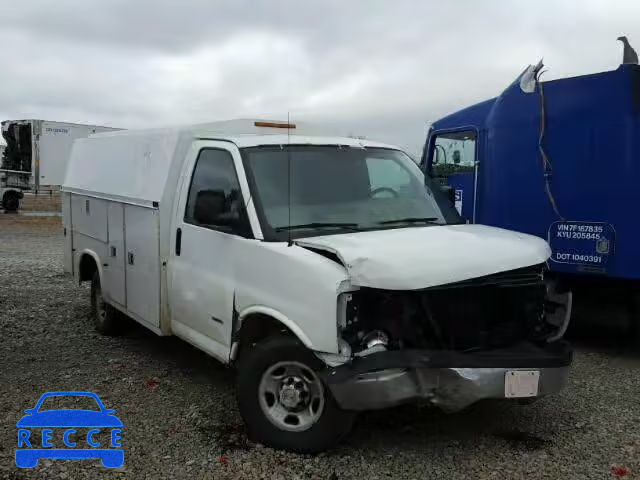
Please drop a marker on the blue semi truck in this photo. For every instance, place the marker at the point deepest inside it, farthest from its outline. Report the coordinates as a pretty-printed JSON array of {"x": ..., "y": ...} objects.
[{"x": 561, "y": 160}]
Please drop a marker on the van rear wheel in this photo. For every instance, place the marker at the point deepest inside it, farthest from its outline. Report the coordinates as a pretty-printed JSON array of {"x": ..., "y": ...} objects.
[
  {"x": 107, "y": 320},
  {"x": 282, "y": 400}
]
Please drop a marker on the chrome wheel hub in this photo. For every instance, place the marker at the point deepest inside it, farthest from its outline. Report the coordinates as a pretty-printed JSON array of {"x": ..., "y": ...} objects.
[
  {"x": 294, "y": 393},
  {"x": 291, "y": 396}
]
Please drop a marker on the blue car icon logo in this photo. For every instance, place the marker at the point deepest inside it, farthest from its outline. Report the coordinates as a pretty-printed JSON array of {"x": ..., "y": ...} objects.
[{"x": 36, "y": 438}]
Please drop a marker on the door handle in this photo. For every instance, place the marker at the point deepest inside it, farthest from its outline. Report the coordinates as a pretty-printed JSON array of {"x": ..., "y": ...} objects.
[{"x": 178, "y": 241}]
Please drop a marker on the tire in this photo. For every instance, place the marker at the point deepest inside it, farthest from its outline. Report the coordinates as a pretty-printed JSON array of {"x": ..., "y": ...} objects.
[
  {"x": 11, "y": 201},
  {"x": 106, "y": 319},
  {"x": 330, "y": 423}
]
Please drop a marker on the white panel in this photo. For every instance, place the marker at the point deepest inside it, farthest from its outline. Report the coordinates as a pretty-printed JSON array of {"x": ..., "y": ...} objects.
[
  {"x": 89, "y": 216},
  {"x": 114, "y": 283},
  {"x": 68, "y": 237},
  {"x": 123, "y": 164},
  {"x": 56, "y": 140},
  {"x": 142, "y": 261}
]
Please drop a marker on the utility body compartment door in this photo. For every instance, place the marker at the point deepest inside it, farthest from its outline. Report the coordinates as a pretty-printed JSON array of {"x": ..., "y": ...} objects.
[
  {"x": 114, "y": 272},
  {"x": 142, "y": 263},
  {"x": 89, "y": 216}
]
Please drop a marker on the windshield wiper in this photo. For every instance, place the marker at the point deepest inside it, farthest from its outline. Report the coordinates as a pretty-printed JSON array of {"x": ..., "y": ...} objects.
[
  {"x": 338, "y": 225},
  {"x": 412, "y": 220}
]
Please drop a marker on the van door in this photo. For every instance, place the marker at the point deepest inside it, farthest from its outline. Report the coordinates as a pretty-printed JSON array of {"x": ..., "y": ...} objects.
[
  {"x": 200, "y": 269},
  {"x": 453, "y": 161}
]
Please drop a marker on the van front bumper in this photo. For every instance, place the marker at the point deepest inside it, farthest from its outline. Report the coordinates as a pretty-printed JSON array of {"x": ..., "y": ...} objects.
[{"x": 449, "y": 380}]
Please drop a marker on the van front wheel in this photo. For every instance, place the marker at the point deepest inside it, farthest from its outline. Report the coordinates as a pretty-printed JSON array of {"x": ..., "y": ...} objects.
[
  {"x": 106, "y": 319},
  {"x": 283, "y": 401}
]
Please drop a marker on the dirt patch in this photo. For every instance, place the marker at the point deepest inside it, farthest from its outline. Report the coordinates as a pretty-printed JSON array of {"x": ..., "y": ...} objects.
[
  {"x": 523, "y": 440},
  {"x": 228, "y": 437},
  {"x": 32, "y": 221}
]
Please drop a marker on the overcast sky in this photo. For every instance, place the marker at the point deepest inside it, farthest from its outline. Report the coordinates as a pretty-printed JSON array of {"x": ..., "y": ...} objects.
[{"x": 383, "y": 69}]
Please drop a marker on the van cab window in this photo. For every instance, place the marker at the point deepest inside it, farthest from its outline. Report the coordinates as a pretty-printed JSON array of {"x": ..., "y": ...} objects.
[
  {"x": 453, "y": 152},
  {"x": 214, "y": 199},
  {"x": 305, "y": 190}
]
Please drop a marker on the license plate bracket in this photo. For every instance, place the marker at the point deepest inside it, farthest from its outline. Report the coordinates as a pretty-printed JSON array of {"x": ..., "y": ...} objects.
[{"x": 521, "y": 383}]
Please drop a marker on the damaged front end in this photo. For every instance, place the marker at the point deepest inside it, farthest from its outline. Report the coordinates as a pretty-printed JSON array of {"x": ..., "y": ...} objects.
[{"x": 491, "y": 337}]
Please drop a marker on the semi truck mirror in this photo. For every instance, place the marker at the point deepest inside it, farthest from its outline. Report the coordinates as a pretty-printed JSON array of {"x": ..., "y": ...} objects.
[{"x": 449, "y": 192}]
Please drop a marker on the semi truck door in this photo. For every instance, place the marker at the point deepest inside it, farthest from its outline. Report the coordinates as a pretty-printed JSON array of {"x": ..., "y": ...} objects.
[
  {"x": 452, "y": 160},
  {"x": 200, "y": 269}
]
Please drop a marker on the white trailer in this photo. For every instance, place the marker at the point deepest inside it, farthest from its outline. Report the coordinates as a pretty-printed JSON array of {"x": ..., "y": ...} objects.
[
  {"x": 327, "y": 269},
  {"x": 36, "y": 156}
]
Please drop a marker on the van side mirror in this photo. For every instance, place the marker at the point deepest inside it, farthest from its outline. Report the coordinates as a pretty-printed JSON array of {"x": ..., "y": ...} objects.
[
  {"x": 211, "y": 209},
  {"x": 209, "y": 206}
]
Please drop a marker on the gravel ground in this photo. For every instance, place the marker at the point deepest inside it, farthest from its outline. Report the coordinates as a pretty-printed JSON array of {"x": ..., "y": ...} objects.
[{"x": 180, "y": 416}]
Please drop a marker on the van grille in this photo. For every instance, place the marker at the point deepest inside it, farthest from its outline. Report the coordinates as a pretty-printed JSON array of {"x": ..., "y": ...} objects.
[
  {"x": 479, "y": 314},
  {"x": 490, "y": 312}
]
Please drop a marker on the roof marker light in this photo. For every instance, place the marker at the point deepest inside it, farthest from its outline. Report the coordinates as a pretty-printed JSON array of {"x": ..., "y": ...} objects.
[{"x": 274, "y": 125}]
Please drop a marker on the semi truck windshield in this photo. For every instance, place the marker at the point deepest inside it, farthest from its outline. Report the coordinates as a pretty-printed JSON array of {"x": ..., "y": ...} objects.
[{"x": 306, "y": 190}]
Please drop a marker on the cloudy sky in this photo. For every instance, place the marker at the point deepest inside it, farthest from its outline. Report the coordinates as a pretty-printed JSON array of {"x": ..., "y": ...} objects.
[{"x": 383, "y": 69}]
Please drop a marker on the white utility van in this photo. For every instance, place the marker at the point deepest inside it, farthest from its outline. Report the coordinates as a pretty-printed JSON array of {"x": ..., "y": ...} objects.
[{"x": 327, "y": 270}]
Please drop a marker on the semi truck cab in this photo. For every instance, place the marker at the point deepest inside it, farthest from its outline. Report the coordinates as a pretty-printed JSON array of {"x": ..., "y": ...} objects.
[
  {"x": 554, "y": 159},
  {"x": 559, "y": 160}
]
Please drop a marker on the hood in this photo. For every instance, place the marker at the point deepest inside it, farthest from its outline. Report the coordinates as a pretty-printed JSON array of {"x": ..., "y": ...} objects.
[{"x": 422, "y": 257}]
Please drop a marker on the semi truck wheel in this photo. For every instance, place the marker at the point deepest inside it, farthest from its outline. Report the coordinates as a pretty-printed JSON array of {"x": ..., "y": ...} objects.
[
  {"x": 10, "y": 201},
  {"x": 106, "y": 319},
  {"x": 282, "y": 400}
]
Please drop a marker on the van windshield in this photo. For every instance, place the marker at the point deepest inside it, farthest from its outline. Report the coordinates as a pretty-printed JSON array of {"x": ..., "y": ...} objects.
[{"x": 305, "y": 190}]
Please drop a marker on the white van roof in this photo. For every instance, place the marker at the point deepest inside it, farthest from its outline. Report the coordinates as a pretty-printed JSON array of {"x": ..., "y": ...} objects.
[
  {"x": 242, "y": 126},
  {"x": 134, "y": 165}
]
